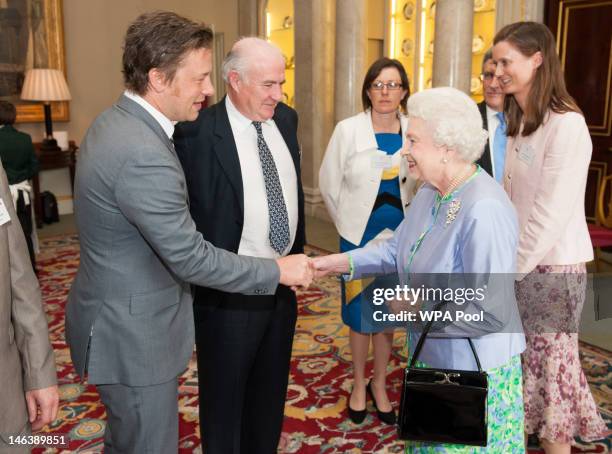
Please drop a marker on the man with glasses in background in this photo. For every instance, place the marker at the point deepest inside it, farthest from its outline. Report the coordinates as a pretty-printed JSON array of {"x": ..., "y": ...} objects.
[{"x": 492, "y": 111}]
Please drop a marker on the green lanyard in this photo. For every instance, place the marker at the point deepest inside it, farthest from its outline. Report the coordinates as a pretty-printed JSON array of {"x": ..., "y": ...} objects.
[
  {"x": 435, "y": 210},
  {"x": 417, "y": 244}
]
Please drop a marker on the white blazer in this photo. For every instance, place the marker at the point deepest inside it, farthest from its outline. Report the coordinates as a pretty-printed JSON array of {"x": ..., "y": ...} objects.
[{"x": 350, "y": 175}]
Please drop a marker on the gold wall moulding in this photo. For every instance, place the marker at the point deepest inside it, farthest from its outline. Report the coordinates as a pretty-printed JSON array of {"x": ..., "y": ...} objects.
[{"x": 32, "y": 36}]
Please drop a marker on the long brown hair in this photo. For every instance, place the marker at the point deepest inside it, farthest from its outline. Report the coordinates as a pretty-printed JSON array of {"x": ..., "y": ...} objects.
[{"x": 548, "y": 88}]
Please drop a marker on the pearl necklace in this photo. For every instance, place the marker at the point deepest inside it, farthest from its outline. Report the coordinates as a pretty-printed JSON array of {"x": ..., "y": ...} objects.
[{"x": 458, "y": 179}]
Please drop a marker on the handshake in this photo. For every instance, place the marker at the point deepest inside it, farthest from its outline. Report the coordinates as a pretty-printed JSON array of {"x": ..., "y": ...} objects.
[{"x": 299, "y": 270}]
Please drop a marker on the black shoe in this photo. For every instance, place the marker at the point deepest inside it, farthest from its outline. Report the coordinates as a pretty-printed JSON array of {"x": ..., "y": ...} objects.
[
  {"x": 357, "y": 416},
  {"x": 388, "y": 417}
]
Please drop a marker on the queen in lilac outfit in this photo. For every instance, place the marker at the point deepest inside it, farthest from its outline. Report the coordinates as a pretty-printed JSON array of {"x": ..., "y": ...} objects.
[{"x": 460, "y": 223}]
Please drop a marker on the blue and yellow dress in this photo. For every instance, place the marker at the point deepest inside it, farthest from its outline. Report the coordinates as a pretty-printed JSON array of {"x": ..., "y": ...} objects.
[{"x": 387, "y": 213}]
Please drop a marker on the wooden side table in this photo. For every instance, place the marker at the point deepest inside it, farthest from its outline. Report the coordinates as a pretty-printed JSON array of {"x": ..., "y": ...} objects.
[{"x": 50, "y": 160}]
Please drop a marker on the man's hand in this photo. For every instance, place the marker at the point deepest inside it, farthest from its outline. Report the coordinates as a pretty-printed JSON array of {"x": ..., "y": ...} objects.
[
  {"x": 42, "y": 406},
  {"x": 331, "y": 264},
  {"x": 295, "y": 270},
  {"x": 397, "y": 306}
]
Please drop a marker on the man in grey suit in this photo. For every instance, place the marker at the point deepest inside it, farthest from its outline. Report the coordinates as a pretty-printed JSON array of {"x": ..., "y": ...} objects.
[{"x": 129, "y": 316}]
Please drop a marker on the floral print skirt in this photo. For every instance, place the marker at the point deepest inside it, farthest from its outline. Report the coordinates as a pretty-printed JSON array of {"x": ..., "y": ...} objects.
[
  {"x": 558, "y": 402},
  {"x": 505, "y": 433}
]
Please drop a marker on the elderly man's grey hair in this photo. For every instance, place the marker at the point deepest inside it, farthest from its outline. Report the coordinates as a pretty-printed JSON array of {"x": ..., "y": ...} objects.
[
  {"x": 487, "y": 56},
  {"x": 247, "y": 52},
  {"x": 454, "y": 119}
]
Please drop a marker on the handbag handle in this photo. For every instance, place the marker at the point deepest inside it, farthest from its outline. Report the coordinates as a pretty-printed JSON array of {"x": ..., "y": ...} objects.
[{"x": 419, "y": 346}]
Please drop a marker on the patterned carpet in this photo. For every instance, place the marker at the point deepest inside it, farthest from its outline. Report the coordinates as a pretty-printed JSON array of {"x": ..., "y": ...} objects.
[{"x": 320, "y": 380}]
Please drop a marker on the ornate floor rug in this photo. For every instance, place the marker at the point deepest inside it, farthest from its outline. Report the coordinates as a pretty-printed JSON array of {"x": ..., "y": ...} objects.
[{"x": 315, "y": 415}]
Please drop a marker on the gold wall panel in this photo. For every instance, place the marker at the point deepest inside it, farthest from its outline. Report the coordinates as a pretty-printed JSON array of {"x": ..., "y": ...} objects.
[
  {"x": 597, "y": 170},
  {"x": 411, "y": 38},
  {"x": 52, "y": 56},
  {"x": 280, "y": 31}
]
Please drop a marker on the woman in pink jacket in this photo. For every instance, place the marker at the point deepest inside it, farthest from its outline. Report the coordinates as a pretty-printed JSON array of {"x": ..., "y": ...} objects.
[{"x": 547, "y": 160}]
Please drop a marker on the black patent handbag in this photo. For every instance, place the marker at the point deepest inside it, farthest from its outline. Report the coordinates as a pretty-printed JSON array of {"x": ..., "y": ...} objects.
[{"x": 443, "y": 405}]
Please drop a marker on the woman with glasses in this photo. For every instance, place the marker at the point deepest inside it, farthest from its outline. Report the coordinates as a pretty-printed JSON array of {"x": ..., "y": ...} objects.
[{"x": 366, "y": 188}]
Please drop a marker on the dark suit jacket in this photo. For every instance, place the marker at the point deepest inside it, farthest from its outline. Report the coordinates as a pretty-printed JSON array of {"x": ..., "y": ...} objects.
[
  {"x": 207, "y": 151},
  {"x": 17, "y": 154},
  {"x": 485, "y": 159}
]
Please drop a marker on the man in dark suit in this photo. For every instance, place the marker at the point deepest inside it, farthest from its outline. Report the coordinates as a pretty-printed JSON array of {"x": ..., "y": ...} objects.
[
  {"x": 492, "y": 111},
  {"x": 19, "y": 160},
  {"x": 242, "y": 164},
  {"x": 129, "y": 318},
  {"x": 16, "y": 149}
]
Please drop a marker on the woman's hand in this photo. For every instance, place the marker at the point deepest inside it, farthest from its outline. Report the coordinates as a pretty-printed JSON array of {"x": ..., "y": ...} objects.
[{"x": 331, "y": 264}]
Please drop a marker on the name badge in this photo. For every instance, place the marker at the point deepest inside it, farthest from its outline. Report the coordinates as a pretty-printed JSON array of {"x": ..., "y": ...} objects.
[
  {"x": 526, "y": 154},
  {"x": 4, "y": 216},
  {"x": 382, "y": 161}
]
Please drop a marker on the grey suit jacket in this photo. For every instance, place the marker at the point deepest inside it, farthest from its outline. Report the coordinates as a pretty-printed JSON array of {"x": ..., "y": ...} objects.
[
  {"x": 26, "y": 356},
  {"x": 129, "y": 317}
]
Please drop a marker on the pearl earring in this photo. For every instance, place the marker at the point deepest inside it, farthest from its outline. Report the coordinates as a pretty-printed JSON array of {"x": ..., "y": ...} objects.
[{"x": 444, "y": 160}]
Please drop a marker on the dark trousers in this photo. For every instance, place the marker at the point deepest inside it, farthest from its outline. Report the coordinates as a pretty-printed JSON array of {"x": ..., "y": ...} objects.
[
  {"x": 243, "y": 350},
  {"x": 24, "y": 213}
]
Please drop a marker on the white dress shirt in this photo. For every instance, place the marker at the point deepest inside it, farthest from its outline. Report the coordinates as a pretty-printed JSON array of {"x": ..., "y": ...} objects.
[
  {"x": 166, "y": 124},
  {"x": 255, "y": 240},
  {"x": 492, "y": 124}
]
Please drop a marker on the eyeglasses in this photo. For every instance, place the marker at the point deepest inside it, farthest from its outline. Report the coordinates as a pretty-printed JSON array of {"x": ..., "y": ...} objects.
[
  {"x": 390, "y": 85},
  {"x": 487, "y": 76}
]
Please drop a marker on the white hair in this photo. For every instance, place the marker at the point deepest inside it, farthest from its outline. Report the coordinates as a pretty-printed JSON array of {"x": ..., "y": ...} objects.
[
  {"x": 247, "y": 52},
  {"x": 454, "y": 119}
]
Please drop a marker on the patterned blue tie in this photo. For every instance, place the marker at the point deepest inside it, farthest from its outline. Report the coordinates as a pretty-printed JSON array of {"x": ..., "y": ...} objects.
[
  {"x": 499, "y": 147},
  {"x": 277, "y": 210}
]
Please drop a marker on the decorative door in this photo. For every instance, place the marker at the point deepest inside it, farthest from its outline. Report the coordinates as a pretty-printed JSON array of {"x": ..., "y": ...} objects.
[{"x": 584, "y": 42}]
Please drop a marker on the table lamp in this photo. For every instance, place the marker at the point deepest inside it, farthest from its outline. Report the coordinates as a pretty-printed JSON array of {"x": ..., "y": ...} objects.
[{"x": 46, "y": 85}]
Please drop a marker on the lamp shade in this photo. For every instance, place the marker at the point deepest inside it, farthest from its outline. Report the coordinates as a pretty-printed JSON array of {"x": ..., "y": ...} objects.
[{"x": 45, "y": 85}]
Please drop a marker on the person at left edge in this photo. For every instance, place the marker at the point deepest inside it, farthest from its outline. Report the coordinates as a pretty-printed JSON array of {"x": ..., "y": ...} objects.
[
  {"x": 129, "y": 318},
  {"x": 28, "y": 395},
  {"x": 244, "y": 342}
]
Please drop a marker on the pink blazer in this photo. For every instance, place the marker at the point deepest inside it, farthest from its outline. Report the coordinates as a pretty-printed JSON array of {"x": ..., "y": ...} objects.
[{"x": 545, "y": 177}]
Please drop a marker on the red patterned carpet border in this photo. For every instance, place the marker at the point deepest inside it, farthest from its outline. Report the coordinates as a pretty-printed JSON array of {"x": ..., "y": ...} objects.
[{"x": 320, "y": 378}]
